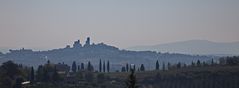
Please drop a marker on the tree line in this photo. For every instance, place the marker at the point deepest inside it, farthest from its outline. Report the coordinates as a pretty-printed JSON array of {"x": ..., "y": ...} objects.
[{"x": 210, "y": 74}]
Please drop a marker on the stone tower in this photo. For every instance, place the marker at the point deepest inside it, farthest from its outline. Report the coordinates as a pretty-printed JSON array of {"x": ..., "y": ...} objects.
[{"x": 87, "y": 43}]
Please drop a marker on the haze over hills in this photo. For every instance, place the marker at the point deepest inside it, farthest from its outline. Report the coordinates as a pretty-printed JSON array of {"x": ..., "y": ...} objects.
[
  {"x": 194, "y": 47},
  {"x": 94, "y": 52}
]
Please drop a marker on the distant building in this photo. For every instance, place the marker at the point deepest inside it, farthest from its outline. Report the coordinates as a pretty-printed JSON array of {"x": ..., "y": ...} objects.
[
  {"x": 77, "y": 44},
  {"x": 23, "y": 50},
  {"x": 62, "y": 69},
  {"x": 87, "y": 43}
]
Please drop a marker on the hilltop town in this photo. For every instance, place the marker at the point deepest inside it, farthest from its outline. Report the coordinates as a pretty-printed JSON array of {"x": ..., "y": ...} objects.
[{"x": 82, "y": 53}]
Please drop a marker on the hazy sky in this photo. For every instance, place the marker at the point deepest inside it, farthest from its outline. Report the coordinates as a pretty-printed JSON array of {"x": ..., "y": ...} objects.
[{"x": 122, "y": 23}]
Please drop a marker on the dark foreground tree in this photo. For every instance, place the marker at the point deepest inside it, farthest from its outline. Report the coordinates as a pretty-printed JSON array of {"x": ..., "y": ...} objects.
[
  {"x": 8, "y": 73},
  {"x": 131, "y": 81},
  {"x": 11, "y": 69}
]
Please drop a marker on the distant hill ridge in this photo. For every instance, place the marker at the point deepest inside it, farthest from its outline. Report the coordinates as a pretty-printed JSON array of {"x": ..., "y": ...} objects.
[{"x": 201, "y": 47}]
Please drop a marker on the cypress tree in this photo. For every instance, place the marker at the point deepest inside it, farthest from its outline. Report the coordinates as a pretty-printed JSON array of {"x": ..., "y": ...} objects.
[
  {"x": 89, "y": 67},
  {"x": 73, "y": 68},
  {"x": 169, "y": 66},
  {"x": 82, "y": 66},
  {"x": 123, "y": 69},
  {"x": 179, "y": 65},
  {"x": 104, "y": 66},
  {"x": 48, "y": 62},
  {"x": 157, "y": 65},
  {"x": 198, "y": 63},
  {"x": 108, "y": 66},
  {"x": 142, "y": 68},
  {"x": 100, "y": 66},
  {"x": 32, "y": 75},
  {"x": 127, "y": 67},
  {"x": 39, "y": 75},
  {"x": 212, "y": 62},
  {"x": 164, "y": 66},
  {"x": 46, "y": 77},
  {"x": 78, "y": 67},
  {"x": 193, "y": 64}
]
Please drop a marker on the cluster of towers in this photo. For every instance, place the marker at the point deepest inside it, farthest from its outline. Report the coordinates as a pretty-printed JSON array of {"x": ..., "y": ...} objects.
[{"x": 77, "y": 43}]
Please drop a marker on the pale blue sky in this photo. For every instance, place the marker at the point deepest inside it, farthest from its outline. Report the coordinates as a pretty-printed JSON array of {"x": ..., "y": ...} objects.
[{"x": 122, "y": 23}]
